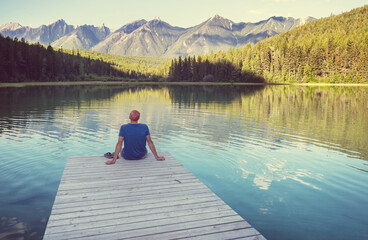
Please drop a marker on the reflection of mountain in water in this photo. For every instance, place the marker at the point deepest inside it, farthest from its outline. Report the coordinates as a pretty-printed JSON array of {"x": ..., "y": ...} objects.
[
  {"x": 334, "y": 117},
  {"x": 190, "y": 96}
]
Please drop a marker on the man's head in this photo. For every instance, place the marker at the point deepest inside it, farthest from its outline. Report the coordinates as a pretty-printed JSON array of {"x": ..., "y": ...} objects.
[{"x": 134, "y": 115}]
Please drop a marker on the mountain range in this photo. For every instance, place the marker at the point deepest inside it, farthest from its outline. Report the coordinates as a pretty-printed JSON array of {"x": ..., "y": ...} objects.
[{"x": 155, "y": 37}]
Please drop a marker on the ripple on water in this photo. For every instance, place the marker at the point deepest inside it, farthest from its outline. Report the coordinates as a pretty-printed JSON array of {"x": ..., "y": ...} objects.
[{"x": 260, "y": 164}]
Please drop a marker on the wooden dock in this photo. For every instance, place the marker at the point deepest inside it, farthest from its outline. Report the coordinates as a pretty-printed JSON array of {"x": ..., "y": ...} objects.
[{"x": 145, "y": 199}]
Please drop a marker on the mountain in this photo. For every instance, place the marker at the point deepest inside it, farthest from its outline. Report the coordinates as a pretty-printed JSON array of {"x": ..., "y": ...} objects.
[
  {"x": 218, "y": 33},
  {"x": 82, "y": 37},
  {"x": 10, "y": 27},
  {"x": 155, "y": 37},
  {"x": 44, "y": 34},
  {"x": 214, "y": 34},
  {"x": 150, "y": 39},
  {"x": 109, "y": 41}
]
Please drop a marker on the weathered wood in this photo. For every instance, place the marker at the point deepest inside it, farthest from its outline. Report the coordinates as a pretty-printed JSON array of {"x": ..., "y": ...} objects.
[
  {"x": 139, "y": 221},
  {"x": 67, "y": 196},
  {"x": 152, "y": 214},
  {"x": 121, "y": 197},
  {"x": 145, "y": 199}
]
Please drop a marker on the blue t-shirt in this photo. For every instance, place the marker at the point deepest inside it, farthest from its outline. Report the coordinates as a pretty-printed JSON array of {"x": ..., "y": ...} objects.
[{"x": 134, "y": 140}]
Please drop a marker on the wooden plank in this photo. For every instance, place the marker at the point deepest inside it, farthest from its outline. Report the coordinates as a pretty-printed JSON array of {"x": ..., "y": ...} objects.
[
  {"x": 114, "y": 175},
  {"x": 129, "y": 196},
  {"x": 140, "y": 199},
  {"x": 128, "y": 231},
  {"x": 146, "y": 208},
  {"x": 149, "y": 179},
  {"x": 144, "y": 199},
  {"x": 117, "y": 177},
  {"x": 191, "y": 230},
  {"x": 137, "y": 184},
  {"x": 100, "y": 167},
  {"x": 133, "y": 216},
  {"x": 151, "y": 190},
  {"x": 233, "y": 234},
  {"x": 105, "y": 171},
  {"x": 119, "y": 225},
  {"x": 113, "y": 204}
]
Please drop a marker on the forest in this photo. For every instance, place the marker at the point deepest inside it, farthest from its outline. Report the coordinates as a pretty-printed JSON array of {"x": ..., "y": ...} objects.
[
  {"x": 21, "y": 62},
  {"x": 24, "y": 62},
  {"x": 328, "y": 50}
]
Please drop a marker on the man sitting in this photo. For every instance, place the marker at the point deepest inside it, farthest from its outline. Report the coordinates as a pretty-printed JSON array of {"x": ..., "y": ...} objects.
[{"x": 135, "y": 136}]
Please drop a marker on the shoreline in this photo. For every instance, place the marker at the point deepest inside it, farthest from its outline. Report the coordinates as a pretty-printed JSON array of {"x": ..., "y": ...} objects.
[{"x": 81, "y": 83}]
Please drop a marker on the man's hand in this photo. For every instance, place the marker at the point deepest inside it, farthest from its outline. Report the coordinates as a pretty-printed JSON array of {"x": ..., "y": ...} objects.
[
  {"x": 118, "y": 147},
  {"x": 160, "y": 158},
  {"x": 110, "y": 162}
]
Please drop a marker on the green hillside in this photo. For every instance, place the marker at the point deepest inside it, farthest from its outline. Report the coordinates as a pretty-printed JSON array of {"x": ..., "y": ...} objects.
[
  {"x": 332, "y": 50},
  {"x": 140, "y": 64}
]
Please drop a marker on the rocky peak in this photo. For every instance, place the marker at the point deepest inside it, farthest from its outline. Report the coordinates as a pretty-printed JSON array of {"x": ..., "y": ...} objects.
[
  {"x": 278, "y": 19},
  {"x": 157, "y": 19},
  {"x": 60, "y": 22},
  {"x": 217, "y": 20},
  {"x": 156, "y": 23},
  {"x": 12, "y": 26},
  {"x": 216, "y": 17},
  {"x": 130, "y": 27}
]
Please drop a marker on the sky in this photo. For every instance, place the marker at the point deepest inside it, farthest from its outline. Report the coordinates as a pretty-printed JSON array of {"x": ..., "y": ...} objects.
[{"x": 116, "y": 13}]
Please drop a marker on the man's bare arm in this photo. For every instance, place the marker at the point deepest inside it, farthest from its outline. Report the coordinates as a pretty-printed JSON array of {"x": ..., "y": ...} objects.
[
  {"x": 153, "y": 149},
  {"x": 118, "y": 148}
]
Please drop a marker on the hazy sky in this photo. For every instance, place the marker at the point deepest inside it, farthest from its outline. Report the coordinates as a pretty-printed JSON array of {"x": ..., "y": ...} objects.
[{"x": 182, "y": 13}]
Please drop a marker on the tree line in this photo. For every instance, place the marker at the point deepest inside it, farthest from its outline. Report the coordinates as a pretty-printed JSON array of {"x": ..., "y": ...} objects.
[
  {"x": 333, "y": 49},
  {"x": 192, "y": 69},
  {"x": 21, "y": 61}
]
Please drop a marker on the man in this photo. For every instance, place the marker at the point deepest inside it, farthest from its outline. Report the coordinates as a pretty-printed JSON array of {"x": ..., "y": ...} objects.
[{"x": 134, "y": 135}]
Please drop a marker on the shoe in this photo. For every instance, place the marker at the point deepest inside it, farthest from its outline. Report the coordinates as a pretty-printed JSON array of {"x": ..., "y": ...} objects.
[{"x": 109, "y": 155}]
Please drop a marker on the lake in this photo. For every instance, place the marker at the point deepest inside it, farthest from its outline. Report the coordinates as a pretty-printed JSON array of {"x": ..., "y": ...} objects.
[{"x": 291, "y": 160}]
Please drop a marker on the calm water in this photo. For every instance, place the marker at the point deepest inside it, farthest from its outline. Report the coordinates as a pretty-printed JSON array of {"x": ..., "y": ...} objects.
[{"x": 291, "y": 160}]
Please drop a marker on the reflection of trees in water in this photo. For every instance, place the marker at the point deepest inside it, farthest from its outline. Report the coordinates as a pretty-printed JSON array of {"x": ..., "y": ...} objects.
[
  {"x": 26, "y": 102},
  {"x": 49, "y": 97},
  {"x": 192, "y": 95},
  {"x": 330, "y": 115}
]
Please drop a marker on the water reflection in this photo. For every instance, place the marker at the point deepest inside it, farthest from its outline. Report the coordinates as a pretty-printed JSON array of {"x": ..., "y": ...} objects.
[
  {"x": 193, "y": 96},
  {"x": 14, "y": 228},
  {"x": 265, "y": 150}
]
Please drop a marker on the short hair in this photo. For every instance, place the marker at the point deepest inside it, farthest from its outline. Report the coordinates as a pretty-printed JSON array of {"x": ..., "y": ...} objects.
[{"x": 134, "y": 115}]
